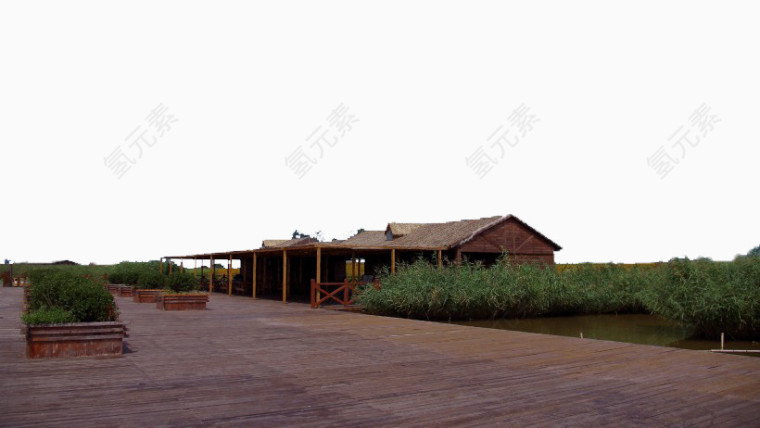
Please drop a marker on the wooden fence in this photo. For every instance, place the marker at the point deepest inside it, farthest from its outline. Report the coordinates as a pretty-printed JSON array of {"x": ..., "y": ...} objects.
[{"x": 343, "y": 293}]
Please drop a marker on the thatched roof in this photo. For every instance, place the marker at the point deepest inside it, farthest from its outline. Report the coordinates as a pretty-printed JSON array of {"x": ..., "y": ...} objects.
[
  {"x": 368, "y": 238},
  {"x": 285, "y": 243},
  {"x": 415, "y": 236},
  {"x": 450, "y": 234},
  {"x": 401, "y": 229},
  {"x": 273, "y": 243},
  {"x": 435, "y": 235}
]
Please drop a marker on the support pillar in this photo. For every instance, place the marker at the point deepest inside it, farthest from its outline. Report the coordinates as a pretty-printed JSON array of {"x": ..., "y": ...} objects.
[
  {"x": 229, "y": 276},
  {"x": 254, "y": 275},
  {"x": 284, "y": 276},
  {"x": 213, "y": 275},
  {"x": 319, "y": 271}
]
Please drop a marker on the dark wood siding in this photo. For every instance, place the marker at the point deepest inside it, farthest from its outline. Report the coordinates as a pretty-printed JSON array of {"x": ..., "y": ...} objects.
[{"x": 524, "y": 245}]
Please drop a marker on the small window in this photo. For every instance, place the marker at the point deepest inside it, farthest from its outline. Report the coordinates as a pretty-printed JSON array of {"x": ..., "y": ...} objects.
[{"x": 388, "y": 235}]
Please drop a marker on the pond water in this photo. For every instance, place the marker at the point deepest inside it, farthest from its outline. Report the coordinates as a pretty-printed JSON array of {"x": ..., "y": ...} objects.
[{"x": 630, "y": 328}]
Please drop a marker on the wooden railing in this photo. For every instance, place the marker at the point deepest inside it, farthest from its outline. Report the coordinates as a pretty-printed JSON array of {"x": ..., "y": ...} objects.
[{"x": 320, "y": 292}]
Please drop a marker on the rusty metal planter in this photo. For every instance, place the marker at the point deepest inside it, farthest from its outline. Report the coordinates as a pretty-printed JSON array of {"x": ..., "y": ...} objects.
[
  {"x": 81, "y": 339},
  {"x": 181, "y": 302},
  {"x": 146, "y": 296}
]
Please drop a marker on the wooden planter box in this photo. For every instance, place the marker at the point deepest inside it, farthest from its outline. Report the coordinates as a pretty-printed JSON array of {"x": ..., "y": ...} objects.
[
  {"x": 146, "y": 296},
  {"x": 81, "y": 339},
  {"x": 126, "y": 291},
  {"x": 113, "y": 288},
  {"x": 181, "y": 302}
]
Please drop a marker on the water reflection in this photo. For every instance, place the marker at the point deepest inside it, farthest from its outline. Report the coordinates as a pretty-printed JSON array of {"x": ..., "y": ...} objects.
[{"x": 631, "y": 328}]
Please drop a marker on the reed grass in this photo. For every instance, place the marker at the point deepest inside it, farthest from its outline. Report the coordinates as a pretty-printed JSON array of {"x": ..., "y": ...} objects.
[{"x": 710, "y": 296}]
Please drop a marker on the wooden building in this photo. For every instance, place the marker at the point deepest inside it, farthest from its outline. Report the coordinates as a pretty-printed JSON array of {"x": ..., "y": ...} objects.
[{"x": 285, "y": 268}]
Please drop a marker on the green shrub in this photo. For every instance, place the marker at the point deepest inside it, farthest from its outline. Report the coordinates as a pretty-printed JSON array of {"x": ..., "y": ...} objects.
[
  {"x": 755, "y": 252},
  {"x": 150, "y": 279},
  {"x": 86, "y": 300},
  {"x": 48, "y": 316},
  {"x": 130, "y": 272},
  {"x": 182, "y": 282}
]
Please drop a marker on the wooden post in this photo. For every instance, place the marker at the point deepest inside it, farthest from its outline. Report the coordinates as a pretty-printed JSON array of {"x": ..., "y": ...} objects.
[
  {"x": 393, "y": 261},
  {"x": 212, "y": 269},
  {"x": 254, "y": 275},
  {"x": 229, "y": 276},
  {"x": 284, "y": 276},
  {"x": 182, "y": 267},
  {"x": 319, "y": 270},
  {"x": 170, "y": 265},
  {"x": 440, "y": 259},
  {"x": 195, "y": 267},
  {"x": 353, "y": 266},
  {"x": 313, "y": 299},
  {"x": 161, "y": 265},
  {"x": 287, "y": 273},
  {"x": 458, "y": 258}
]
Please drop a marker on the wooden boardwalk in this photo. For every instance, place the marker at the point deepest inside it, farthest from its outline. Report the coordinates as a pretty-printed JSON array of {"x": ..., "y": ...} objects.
[{"x": 262, "y": 363}]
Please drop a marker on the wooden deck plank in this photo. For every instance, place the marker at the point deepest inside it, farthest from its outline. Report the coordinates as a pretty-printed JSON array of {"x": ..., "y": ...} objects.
[{"x": 243, "y": 362}]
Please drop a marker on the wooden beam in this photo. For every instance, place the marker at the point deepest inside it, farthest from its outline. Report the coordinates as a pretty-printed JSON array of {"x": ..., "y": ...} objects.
[
  {"x": 212, "y": 270},
  {"x": 254, "y": 275},
  {"x": 284, "y": 276},
  {"x": 229, "y": 276},
  {"x": 393, "y": 261}
]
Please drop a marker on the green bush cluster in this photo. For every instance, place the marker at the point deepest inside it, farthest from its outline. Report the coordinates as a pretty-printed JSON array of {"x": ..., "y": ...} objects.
[
  {"x": 138, "y": 274},
  {"x": 180, "y": 282},
  {"x": 146, "y": 275},
  {"x": 711, "y": 296},
  {"x": 54, "y": 293},
  {"x": 48, "y": 316}
]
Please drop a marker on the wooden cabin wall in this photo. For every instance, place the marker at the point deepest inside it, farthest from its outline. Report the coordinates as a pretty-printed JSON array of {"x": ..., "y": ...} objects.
[{"x": 514, "y": 238}]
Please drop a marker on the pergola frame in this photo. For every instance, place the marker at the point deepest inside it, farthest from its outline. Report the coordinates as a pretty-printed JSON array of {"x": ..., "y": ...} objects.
[{"x": 317, "y": 250}]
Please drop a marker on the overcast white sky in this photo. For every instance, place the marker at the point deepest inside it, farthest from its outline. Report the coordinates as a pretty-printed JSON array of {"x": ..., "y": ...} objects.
[{"x": 583, "y": 93}]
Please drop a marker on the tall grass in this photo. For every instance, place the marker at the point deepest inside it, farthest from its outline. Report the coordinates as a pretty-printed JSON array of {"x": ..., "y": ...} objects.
[{"x": 711, "y": 296}]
